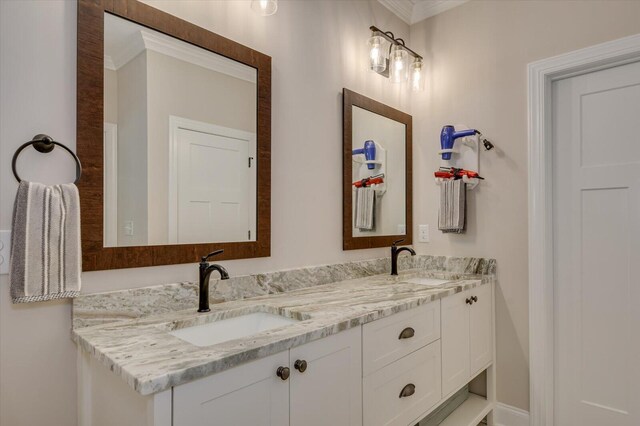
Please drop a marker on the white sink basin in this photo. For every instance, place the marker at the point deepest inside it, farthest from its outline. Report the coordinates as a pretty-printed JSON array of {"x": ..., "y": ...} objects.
[
  {"x": 231, "y": 328},
  {"x": 429, "y": 282}
]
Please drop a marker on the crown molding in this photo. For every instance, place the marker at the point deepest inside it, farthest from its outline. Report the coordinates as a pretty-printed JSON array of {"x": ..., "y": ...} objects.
[
  {"x": 412, "y": 11},
  {"x": 426, "y": 9},
  {"x": 403, "y": 9},
  {"x": 179, "y": 50}
]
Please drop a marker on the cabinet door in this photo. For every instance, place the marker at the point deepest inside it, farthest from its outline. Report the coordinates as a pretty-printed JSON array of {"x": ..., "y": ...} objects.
[
  {"x": 455, "y": 342},
  {"x": 481, "y": 327},
  {"x": 329, "y": 391},
  {"x": 250, "y": 394}
]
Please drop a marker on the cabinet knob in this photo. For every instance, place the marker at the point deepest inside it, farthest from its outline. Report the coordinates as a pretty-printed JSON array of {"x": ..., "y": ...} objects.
[
  {"x": 407, "y": 333},
  {"x": 469, "y": 301},
  {"x": 408, "y": 390},
  {"x": 300, "y": 365},
  {"x": 283, "y": 373},
  {"x": 474, "y": 298}
]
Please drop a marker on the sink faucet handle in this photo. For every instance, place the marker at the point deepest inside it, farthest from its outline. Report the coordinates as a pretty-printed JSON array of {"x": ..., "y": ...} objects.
[
  {"x": 213, "y": 253},
  {"x": 396, "y": 242}
]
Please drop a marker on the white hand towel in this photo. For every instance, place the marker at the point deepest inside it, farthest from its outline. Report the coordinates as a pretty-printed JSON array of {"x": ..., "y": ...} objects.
[{"x": 46, "y": 258}]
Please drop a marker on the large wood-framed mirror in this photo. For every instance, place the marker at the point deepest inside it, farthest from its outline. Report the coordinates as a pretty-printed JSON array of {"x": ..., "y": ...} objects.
[
  {"x": 377, "y": 167},
  {"x": 174, "y": 133}
]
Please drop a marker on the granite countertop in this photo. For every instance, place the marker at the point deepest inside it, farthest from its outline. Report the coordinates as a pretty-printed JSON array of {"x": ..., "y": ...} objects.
[{"x": 150, "y": 360}]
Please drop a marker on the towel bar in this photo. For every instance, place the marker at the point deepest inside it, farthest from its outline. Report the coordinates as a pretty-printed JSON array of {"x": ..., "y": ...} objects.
[{"x": 44, "y": 144}]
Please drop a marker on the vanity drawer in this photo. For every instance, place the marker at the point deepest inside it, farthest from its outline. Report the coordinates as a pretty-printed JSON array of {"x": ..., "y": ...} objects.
[
  {"x": 419, "y": 373},
  {"x": 391, "y": 338}
]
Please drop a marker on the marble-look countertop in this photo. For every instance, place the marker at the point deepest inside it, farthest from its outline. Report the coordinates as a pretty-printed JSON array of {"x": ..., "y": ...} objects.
[{"x": 150, "y": 360}]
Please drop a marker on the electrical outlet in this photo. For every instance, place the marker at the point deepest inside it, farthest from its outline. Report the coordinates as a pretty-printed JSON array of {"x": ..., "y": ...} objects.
[
  {"x": 423, "y": 233},
  {"x": 5, "y": 250},
  {"x": 128, "y": 227},
  {"x": 402, "y": 229}
]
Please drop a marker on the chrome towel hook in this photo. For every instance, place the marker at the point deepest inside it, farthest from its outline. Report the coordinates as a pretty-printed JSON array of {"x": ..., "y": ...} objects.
[{"x": 45, "y": 144}]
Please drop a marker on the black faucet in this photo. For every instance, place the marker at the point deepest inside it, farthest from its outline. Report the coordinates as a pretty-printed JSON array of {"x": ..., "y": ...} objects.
[
  {"x": 395, "y": 251},
  {"x": 205, "y": 272}
]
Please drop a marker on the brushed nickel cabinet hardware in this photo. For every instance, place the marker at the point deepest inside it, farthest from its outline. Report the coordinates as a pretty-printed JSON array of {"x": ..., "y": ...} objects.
[
  {"x": 283, "y": 373},
  {"x": 407, "y": 333},
  {"x": 408, "y": 390},
  {"x": 300, "y": 365}
]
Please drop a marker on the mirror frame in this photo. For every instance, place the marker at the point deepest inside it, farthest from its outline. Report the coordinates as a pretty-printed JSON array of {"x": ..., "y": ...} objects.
[
  {"x": 349, "y": 242},
  {"x": 90, "y": 117}
]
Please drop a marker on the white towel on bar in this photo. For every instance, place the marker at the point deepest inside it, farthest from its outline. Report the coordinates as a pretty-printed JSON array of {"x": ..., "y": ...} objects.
[
  {"x": 45, "y": 243},
  {"x": 365, "y": 208},
  {"x": 451, "y": 217}
]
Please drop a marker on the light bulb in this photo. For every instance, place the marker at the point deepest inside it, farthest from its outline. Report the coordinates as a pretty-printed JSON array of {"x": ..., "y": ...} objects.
[
  {"x": 417, "y": 75},
  {"x": 377, "y": 60},
  {"x": 398, "y": 67},
  {"x": 264, "y": 7}
]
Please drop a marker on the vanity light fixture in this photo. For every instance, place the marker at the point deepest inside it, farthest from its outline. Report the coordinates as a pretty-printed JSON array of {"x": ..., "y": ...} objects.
[
  {"x": 264, "y": 7},
  {"x": 401, "y": 63}
]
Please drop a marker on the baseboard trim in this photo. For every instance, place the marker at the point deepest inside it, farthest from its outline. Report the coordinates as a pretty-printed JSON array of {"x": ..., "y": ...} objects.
[{"x": 506, "y": 415}]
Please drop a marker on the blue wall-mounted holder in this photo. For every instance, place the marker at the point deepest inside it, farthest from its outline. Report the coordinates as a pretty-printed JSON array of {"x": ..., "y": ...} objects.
[
  {"x": 369, "y": 152},
  {"x": 464, "y": 152},
  {"x": 448, "y": 137}
]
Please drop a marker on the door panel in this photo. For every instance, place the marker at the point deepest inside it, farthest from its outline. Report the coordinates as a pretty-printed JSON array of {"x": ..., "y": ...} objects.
[
  {"x": 216, "y": 188},
  {"x": 329, "y": 392},
  {"x": 250, "y": 394},
  {"x": 596, "y": 232},
  {"x": 455, "y": 342},
  {"x": 481, "y": 328}
]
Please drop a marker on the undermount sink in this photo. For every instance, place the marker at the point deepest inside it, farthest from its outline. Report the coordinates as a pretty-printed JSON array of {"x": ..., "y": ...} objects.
[
  {"x": 429, "y": 282},
  {"x": 231, "y": 328}
]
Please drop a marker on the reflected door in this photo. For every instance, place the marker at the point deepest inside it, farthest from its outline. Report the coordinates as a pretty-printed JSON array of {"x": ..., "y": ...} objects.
[
  {"x": 597, "y": 247},
  {"x": 214, "y": 196}
]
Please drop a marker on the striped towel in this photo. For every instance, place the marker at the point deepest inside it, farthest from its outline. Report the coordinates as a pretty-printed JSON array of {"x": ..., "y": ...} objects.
[
  {"x": 45, "y": 255},
  {"x": 453, "y": 205}
]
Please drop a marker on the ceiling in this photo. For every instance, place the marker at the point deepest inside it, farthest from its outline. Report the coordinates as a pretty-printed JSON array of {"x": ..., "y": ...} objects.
[{"x": 412, "y": 11}]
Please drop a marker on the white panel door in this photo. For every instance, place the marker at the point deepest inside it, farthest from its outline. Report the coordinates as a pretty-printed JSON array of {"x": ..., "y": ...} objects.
[
  {"x": 597, "y": 247},
  {"x": 248, "y": 395},
  {"x": 455, "y": 342},
  {"x": 329, "y": 391},
  {"x": 214, "y": 192},
  {"x": 481, "y": 328}
]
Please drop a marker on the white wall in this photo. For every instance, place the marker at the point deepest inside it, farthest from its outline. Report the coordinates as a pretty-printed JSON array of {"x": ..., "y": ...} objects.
[
  {"x": 133, "y": 148},
  {"x": 318, "y": 47},
  {"x": 476, "y": 57}
]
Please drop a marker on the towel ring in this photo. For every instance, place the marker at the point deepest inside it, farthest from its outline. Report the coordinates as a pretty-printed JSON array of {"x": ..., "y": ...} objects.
[{"x": 45, "y": 144}]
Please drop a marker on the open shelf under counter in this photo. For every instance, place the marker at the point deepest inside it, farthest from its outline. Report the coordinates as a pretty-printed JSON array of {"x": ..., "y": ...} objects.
[{"x": 470, "y": 413}]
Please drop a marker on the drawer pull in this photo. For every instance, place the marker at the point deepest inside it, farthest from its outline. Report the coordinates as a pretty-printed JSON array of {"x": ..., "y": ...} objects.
[
  {"x": 407, "y": 333},
  {"x": 300, "y": 365},
  {"x": 408, "y": 390},
  {"x": 469, "y": 302},
  {"x": 474, "y": 298},
  {"x": 283, "y": 372}
]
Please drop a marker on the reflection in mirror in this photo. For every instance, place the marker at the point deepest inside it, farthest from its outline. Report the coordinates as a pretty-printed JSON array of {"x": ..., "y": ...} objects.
[
  {"x": 179, "y": 141},
  {"x": 378, "y": 171}
]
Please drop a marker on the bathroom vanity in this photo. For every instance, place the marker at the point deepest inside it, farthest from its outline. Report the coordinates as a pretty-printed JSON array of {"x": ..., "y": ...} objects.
[{"x": 375, "y": 350}]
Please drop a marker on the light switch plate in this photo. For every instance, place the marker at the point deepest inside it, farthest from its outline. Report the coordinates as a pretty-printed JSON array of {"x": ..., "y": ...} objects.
[
  {"x": 5, "y": 250},
  {"x": 423, "y": 233}
]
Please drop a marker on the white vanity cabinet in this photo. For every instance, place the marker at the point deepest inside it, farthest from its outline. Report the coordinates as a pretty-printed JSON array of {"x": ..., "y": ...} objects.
[
  {"x": 322, "y": 386},
  {"x": 393, "y": 372},
  {"x": 467, "y": 336}
]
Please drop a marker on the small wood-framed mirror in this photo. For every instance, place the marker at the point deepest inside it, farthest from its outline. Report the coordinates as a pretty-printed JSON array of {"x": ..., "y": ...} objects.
[
  {"x": 174, "y": 133},
  {"x": 377, "y": 174}
]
